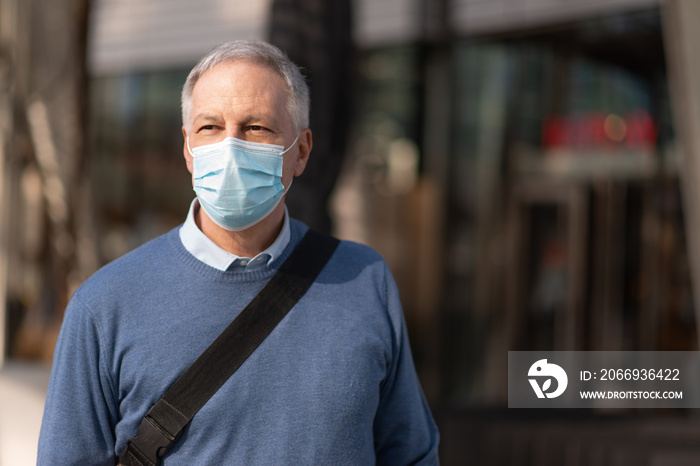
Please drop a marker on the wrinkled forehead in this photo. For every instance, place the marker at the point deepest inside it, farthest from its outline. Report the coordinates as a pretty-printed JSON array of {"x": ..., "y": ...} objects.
[{"x": 260, "y": 67}]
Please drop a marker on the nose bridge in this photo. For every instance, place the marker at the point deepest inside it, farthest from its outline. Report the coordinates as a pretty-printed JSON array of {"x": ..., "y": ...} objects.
[{"x": 234, "y": 131}]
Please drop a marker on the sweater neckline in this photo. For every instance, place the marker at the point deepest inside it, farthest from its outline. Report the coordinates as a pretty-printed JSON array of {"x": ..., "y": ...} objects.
[{"x": 298, "y": 230}]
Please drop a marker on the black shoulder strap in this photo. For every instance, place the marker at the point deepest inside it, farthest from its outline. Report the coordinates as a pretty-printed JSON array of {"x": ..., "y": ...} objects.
[{"x": 168, "y": 417}]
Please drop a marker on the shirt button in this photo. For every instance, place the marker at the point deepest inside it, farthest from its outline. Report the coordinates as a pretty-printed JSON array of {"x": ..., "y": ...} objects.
[{"x": 244, "y": 262}]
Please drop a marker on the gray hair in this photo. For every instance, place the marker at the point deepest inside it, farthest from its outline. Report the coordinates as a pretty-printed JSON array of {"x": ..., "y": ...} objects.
[{"x": 262, "y": 53}]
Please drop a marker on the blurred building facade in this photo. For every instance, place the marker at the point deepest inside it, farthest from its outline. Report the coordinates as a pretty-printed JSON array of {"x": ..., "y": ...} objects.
[{"x": 518, "y": 164}]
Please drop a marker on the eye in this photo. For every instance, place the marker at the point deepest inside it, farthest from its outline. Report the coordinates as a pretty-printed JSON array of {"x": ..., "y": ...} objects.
[
  {"x": 207, "y": 128},
  {"x": 258, "y": 128}
]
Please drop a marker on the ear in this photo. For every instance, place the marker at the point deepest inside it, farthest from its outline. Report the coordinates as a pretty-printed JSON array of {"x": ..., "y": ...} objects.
[
  {"x": 304, "y": 144},
  {"x": 189, "y": 161}
]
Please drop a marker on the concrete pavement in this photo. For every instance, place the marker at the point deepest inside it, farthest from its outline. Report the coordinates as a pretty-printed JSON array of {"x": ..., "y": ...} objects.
[{"x": 22, "y": 392}]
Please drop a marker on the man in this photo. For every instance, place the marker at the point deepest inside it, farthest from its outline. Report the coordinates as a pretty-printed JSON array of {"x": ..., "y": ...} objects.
[{"x": 333, "y": 383}]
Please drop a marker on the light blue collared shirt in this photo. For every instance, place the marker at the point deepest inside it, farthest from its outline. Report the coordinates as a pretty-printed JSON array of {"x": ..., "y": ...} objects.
[{"x": 204, "y": 249}]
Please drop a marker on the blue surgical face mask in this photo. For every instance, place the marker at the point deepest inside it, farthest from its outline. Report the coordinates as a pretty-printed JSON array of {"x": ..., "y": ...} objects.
[{"x": 238, "y": 183}]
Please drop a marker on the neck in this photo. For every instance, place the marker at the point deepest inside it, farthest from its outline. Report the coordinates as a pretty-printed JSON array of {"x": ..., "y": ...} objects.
[{"x": 245, "y": 243}]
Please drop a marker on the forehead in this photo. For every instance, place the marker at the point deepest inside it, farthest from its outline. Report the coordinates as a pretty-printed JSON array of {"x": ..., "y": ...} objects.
[{"x": 240, "y": 82}]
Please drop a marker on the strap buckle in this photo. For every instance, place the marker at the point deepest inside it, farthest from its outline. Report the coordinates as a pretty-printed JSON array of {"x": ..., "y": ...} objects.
[{"x": 151, "y": 441}]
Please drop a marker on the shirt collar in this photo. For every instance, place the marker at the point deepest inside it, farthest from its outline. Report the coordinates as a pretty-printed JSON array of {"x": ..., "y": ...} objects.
[{"x": 204, "y": 249}]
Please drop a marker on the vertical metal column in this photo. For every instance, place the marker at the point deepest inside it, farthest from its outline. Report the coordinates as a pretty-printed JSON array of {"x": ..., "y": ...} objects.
[
  {"x": 435, "y": 108},
  {"x": 682, "y": 44}
]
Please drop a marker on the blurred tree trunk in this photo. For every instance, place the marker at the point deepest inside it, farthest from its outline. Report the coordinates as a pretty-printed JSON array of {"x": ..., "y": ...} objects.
[
  {"x": 317, "y": 35},
  {"x": 47, "y": 238}
]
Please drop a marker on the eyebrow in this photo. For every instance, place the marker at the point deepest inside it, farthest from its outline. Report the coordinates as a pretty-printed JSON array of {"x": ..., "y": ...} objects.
[
  {"x": 208, "y": 116},
  {"x": 259, "y": 118}
]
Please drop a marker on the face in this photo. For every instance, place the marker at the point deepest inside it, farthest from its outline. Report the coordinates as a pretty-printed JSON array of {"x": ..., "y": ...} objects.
[{"x": 249, "y": 102}]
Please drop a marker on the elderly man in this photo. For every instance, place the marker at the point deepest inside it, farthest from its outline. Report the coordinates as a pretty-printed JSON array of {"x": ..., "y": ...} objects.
[{"x": 333, "y": 383}]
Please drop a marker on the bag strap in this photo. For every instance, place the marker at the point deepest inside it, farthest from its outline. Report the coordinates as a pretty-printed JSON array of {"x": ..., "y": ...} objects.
[{"x": 165, "y": 421}]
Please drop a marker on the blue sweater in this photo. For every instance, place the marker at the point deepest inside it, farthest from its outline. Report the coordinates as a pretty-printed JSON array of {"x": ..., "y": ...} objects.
[{"x": 334, "y": 383}]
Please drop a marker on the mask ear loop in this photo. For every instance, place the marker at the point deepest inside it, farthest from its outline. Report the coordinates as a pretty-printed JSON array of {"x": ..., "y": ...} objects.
[
  {"x": 286, "y": 190},
  {"x": 284, "y": 152},
  {"x": 292, "y": 145},
  {"x": 189, "y": 149}
]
